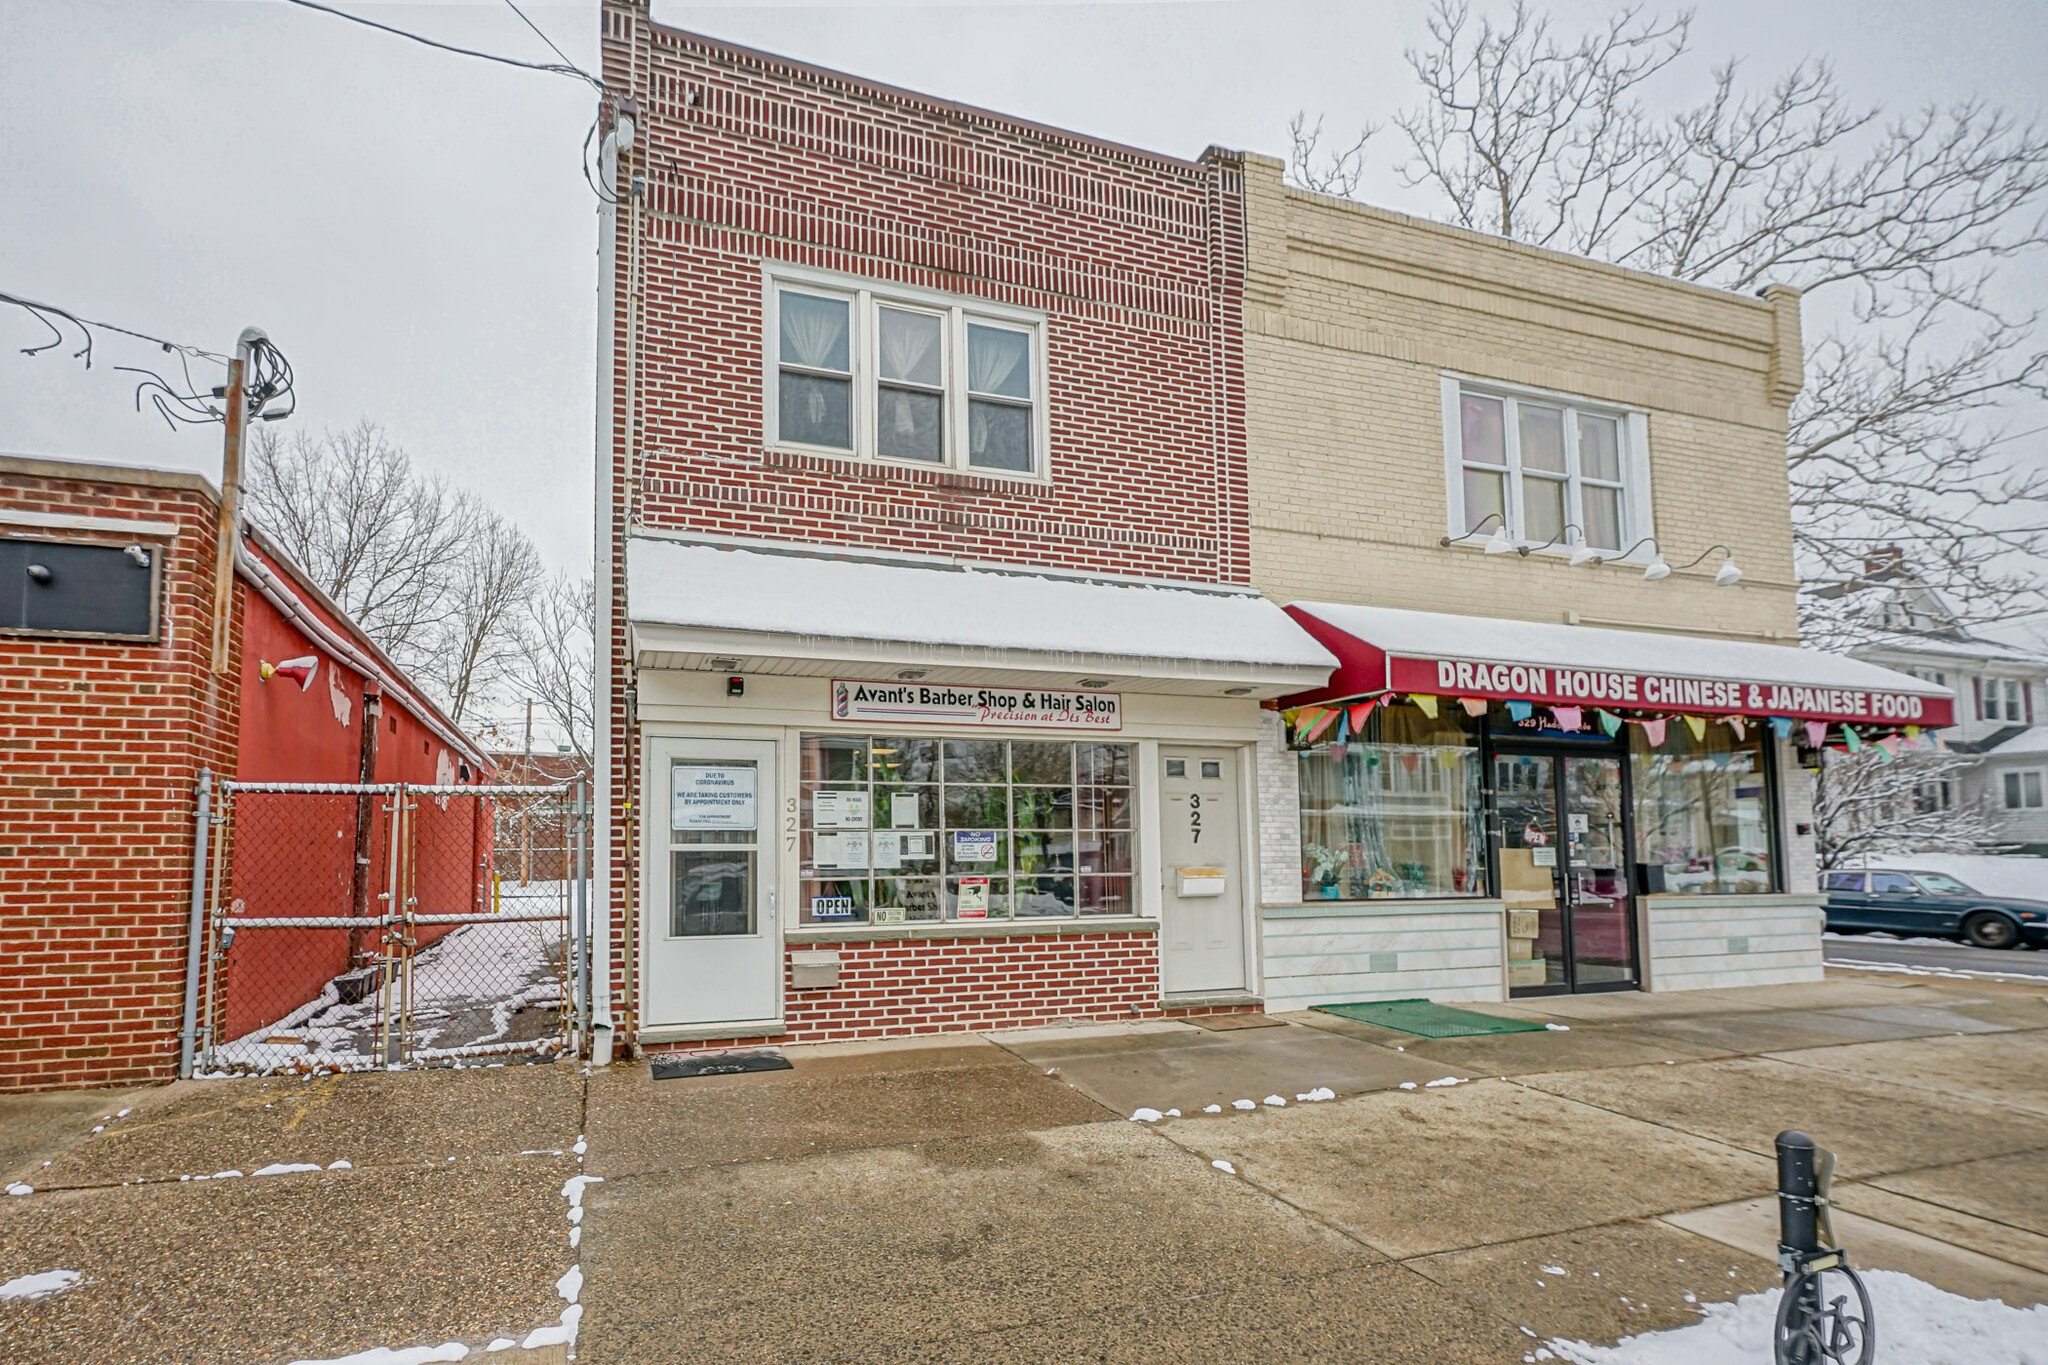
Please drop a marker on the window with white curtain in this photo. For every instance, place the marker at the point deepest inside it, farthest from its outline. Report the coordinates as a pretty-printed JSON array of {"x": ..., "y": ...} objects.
[
  {"x": 902, "y": 376},
  {"x": 1553, "y": 471}
]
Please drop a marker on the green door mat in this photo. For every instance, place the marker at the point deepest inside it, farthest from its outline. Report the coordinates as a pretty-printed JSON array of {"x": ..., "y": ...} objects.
[{"x": 1427, "y": 1020}]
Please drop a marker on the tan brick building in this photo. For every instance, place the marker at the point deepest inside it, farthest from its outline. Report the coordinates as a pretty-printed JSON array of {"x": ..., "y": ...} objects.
[{"x": 1460, "y": 434}]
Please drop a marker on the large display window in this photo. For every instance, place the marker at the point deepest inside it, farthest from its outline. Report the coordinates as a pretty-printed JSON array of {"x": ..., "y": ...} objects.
[
  {"x": 916, "y": 829},
  {"x": 1396, "y": 812},
  {"x": 1703, "y": 808}
]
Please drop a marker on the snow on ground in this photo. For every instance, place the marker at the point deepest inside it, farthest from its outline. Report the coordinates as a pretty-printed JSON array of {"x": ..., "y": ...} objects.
[
  {"x": 38, "y": 1286},
  {"x": 1879, "y": 936},
  {"x": 1916, "y": 1324},
  {"x": 468, "y": 987},
  {"x": 404, "y": 1355},
  {"x": 1994, "y": 875}
]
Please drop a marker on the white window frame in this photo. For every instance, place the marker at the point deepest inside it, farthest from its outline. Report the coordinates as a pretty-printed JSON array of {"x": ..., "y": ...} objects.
[
  {"x": 867, "y": 298},
  {"x": 2014, "y": 782},
  {"x": 1637, "y": 521}
]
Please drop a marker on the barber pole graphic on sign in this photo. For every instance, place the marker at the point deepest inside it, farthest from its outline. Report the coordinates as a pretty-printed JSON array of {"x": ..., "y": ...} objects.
[{"x": 965, "y": 704}]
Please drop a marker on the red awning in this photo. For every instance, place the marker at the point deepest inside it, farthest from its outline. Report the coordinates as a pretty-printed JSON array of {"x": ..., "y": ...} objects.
[{"x": 1384, "y": 649}]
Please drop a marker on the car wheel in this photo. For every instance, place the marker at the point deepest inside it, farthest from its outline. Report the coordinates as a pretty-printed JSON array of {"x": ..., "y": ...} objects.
[{"x": 1988, "y": 930}]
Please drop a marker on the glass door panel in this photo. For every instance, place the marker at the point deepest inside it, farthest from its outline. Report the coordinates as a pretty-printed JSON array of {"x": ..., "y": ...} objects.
[
  {"x": 1525, "y": 797},
  {"x": 1596, "y": 874}
]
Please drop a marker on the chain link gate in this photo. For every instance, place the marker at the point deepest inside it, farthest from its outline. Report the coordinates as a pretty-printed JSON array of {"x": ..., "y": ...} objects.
[{"x": 359, "y": 926}]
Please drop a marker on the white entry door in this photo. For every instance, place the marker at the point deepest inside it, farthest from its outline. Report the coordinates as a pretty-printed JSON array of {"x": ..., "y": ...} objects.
[
  {"x": 1203, "y": 910},
  {"x": 712, "y": 946}
]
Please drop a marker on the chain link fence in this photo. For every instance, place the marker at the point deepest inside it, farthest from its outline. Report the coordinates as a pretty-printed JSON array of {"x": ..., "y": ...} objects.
[{"x": 357, "y": 926}]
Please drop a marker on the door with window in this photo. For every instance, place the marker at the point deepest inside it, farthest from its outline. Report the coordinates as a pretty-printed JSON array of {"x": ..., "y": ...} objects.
[
  {"x": 711, "y": 946},
  {"x": 1563, "y": 854},
  {"x": 1202, "y": 928}
]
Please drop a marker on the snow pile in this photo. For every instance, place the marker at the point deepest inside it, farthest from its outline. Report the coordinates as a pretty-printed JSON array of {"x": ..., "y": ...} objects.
[
  {"x": 1559, "y": 1028},
  {"x": 1144, "y": 1114},
  {"x": 1917, "y": 1324},
  {"x": 1243, "y": 1104},
  {"x": 288, "y": 1168},
  {"x": 39, "y": 1286},
  {"x": 1276, "y": 1101},
  {"x": 1321, "y": 1092},
  {"x": 1443, "y": 1081},
  {"x": 404, "y": 1355},
  {"x": 1220, "y": 1164},
  {"x": 20, "y": 1187}
]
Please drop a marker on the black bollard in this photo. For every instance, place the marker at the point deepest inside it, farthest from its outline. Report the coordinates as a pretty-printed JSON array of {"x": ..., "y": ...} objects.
[{"x": 1812, "y": 1330}]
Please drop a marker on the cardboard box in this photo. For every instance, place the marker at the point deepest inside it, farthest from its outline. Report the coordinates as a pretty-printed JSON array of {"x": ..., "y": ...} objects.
[
  {"x": 1523, "y": 882},
  {"x": 1521, "y": 949},
  {"x": 1532, "y": 973},
  {"x": 1523, "y": 924}
]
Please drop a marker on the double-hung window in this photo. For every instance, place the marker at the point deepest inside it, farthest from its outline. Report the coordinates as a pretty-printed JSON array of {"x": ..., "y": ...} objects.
[
  {"x": 1552, "y": 471},
  {"x": 904, "y": 377},
  {"x": 2023, "y": 789}
]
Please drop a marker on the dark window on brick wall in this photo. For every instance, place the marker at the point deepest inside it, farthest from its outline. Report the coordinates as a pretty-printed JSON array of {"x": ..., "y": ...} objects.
[{"x": 76, "y": 589}]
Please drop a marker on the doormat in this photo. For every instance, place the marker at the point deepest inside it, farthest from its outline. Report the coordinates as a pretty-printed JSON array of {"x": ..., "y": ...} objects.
[
  {"x": 1427, "y": 1020},
  {"x": 683, "y": 1065},
  {"x": 1225, "y": 1023}
]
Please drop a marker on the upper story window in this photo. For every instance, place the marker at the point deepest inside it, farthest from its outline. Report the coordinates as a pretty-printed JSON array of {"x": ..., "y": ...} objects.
[
  {"x": 1552, "y": 470},
  {"x": 879, "y": 373},
  {"x": 2004, "y": 699}
]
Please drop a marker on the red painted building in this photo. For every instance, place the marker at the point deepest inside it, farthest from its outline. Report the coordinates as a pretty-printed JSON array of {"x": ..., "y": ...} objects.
[
  {"x": 900, "y": 394},
  {"x": 111, "y": 708}
]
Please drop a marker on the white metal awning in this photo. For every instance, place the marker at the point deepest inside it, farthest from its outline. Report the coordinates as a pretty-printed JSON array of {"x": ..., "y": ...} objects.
[{"x": 815, "y": 613}]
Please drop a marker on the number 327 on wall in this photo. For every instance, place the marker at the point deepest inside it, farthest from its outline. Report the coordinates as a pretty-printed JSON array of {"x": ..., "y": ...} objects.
[{"x": 1194, "y": 818}]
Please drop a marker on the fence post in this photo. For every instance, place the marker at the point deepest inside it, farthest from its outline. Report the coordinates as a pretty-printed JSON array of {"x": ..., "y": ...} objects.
[
  {"x": 582, "y": 919},
  {"x": 202, "y": 821}
]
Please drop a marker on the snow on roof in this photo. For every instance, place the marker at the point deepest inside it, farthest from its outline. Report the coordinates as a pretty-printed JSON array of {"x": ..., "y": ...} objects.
[
  {"x": 1441, "y": 635},
  {"x": 1987, "y": 650},
  {"x": 1994, "y": 874},
  {"x": 804, "y": 593},
  {"x": 2032, "y": 740}
]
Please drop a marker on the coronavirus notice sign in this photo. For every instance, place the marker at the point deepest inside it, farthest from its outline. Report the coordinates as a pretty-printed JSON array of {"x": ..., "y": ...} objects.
[{"x": 923, "y": 703}]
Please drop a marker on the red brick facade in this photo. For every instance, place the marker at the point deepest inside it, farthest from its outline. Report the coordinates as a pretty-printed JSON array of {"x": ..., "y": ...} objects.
[
  {"x": 1134, "y": 259},
  {"x": 101, "y": 743}
]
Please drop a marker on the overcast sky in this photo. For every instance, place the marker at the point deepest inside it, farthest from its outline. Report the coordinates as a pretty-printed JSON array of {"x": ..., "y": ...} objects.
[{"x": 412, "y": 229}]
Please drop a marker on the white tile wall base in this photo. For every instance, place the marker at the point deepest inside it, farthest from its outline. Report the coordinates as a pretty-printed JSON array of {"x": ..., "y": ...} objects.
[
  {"x": 1703, "y": 942},
  {"x": 1383, "y": 950}
]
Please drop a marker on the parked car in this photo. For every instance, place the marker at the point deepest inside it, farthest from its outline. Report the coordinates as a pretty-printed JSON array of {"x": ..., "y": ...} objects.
[{"x": 1932, "y": 904}]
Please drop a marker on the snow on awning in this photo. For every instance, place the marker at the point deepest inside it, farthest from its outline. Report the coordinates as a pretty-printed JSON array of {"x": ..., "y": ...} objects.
[
  {"x": 1383, "y": 649},
  {"x": 866, "y": 614}
]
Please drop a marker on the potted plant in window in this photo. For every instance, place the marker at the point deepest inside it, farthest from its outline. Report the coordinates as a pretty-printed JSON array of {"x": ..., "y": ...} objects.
[{"x": 1324, "y": 863}]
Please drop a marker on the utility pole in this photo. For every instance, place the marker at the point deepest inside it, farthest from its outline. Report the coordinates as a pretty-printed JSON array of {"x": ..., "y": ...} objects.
[{"x": 227, "y": 534}]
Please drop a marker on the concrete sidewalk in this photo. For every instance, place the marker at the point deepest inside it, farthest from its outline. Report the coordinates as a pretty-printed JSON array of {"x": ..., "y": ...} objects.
[{"x": 988, "y": 1199}]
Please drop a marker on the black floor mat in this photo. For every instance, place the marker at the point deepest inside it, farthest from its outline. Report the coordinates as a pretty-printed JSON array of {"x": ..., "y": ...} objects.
[{"x": 681, "y": 1066}]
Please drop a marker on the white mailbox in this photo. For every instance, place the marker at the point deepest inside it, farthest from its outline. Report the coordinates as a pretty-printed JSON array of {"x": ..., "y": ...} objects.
[{"x": 1201, "y": 881}]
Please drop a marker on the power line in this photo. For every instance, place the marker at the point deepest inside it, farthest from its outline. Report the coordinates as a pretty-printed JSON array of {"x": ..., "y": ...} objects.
[
  {"x": 563, "y": 68},
  {"x": 538, "y": 34},
  {"x": 43, "y": 312}
]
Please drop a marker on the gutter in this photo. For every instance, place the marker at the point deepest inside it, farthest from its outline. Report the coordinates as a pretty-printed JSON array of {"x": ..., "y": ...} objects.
[{"x": 279, "y": 595}]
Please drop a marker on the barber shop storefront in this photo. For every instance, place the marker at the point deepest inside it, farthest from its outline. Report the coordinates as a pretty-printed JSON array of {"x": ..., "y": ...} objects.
[
  {"x": 1540, "y": 809},
  {"x": 886, "y": 795}
]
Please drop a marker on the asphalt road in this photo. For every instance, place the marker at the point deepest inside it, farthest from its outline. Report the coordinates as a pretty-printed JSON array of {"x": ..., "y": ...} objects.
[{"x": 1949, "y": 957}]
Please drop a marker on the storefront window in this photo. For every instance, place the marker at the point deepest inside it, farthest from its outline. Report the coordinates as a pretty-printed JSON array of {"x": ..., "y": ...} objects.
[
  {"x": 908, "y": 830},
  {"x": 1703, "y": 809},
  {"x": 1397, "y": 814}
]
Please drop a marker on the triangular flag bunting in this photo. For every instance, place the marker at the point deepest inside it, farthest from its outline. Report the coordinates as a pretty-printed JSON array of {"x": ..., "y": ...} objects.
[
  {"x": 1739, "y": 726},
  {"x": 1782, "y": 726},
  {"x": 1816, "y": 734},
  {"x": 1519, "y": 711},
  {"x": 1358, "y": 715},
  {"x": 1410, "y": 759},
  {"x": 1609, "y": 722},
  {"x": 1912, "y": 732},
  {"x": 1852, "y": 739},
  {"x": 1290, "y": 717},
  {"x": 1474, "y": 706},
  {"x": 1653, "y": 730},
  {"x": 1890, "y": 744},
  {"x": 1569, "y": 718},
  {"x": 1323, "y": 721},
  {"x": 1337, "y": 751},
  {"x": 1343, "y": 726},
  {"x": 1698, "y": 726},
  {"x": 1426, "y": 702}
]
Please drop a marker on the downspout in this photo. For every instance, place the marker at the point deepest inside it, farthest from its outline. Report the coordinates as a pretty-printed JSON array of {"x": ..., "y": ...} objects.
[
  {"x": 604, "y": 569},
  {"x": 366, "y": 811}
]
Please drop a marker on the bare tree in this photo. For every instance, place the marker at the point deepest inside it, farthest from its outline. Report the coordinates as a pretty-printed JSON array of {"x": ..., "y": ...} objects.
[
  {"x": 553, "y": 666},
  {"x": 431, "y": 574},
  {"x": 1333, "y": 171},
  {"x": 1864, "y": 805},
  {"x": 1894, "y": 228}
]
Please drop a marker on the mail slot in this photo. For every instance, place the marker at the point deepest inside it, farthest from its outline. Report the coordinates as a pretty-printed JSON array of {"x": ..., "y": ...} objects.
[{"x": 1201, "y": 881}]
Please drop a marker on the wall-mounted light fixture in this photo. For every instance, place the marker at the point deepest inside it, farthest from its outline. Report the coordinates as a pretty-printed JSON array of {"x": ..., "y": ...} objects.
[
  {"x": 1499, "y": 543},
  {"x": 1728, "y": 575}
]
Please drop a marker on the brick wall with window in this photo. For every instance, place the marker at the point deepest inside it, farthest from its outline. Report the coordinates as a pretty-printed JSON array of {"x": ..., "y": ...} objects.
[{"x": 101, "y": 741}]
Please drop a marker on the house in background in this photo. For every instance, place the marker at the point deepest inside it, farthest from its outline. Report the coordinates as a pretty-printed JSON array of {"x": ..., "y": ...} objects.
[
  {"x": 111, "y": 709},
  {"x": 1999, "y": 696}
]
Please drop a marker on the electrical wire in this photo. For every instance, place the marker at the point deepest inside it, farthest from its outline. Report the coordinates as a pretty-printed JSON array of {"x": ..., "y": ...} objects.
[
  {"x": 563, "y": 68},
  {"x": 43, "y": 312},
  {"x": 538, "y": 34}
]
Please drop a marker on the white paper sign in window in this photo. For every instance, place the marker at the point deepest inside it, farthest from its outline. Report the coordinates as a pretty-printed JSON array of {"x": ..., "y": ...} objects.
[{"x": 712, "y": 797}]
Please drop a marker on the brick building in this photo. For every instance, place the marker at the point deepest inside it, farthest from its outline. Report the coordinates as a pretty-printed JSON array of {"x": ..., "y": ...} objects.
[
  {"x": 922, "y": 562},
  {"x": 111, "y": 709}
]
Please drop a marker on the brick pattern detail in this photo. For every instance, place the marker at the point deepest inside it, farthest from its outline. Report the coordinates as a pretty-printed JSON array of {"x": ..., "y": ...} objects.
[
  {"x": 100, "y": 747},
  {"x": 1137, "y": 262}
]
